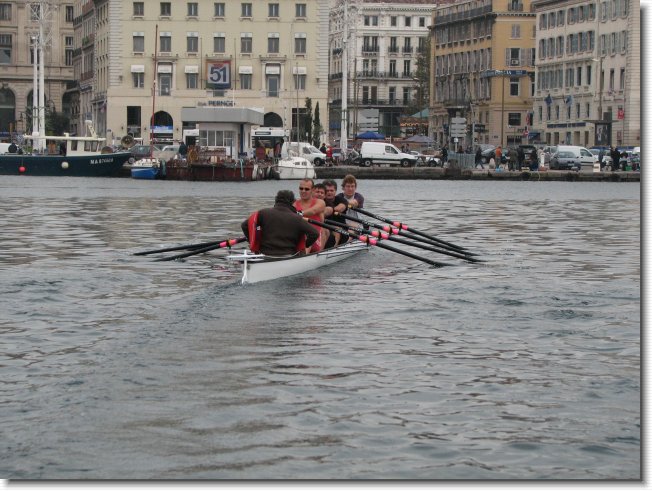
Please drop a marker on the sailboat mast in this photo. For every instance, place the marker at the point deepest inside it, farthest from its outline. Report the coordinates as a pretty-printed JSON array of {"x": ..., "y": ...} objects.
[{"x": 151, "y": 122}]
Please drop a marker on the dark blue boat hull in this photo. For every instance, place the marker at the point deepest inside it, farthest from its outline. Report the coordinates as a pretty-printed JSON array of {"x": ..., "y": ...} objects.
[{"x": 104, "y": 165}]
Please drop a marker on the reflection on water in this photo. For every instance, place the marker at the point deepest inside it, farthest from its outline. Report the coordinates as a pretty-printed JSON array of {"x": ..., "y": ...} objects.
[{"x": 115, "y": 366}]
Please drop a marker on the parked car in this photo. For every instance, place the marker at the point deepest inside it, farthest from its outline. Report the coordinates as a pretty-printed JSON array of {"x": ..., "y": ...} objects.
[
  {"x": 565, "y": 160},
  {"x": 142, "y": 151},
  {"x": 384, "y": 153},
  {"x": 527, "y": 150},
  {"x": 421, "y": 158}
]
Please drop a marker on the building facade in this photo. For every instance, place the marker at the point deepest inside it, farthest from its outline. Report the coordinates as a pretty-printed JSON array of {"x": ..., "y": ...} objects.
[
  {"x": 482, "y": 72},
  {"x": 588, "y": 72},
  {"x": 385, "y": 42},
  {"x": 154, "y": 58},
  {"x": 18, "y": 26}
]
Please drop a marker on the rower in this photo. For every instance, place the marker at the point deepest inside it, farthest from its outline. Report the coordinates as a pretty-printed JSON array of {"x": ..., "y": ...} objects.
[
  {"x": 310, "y": 207},
  {"x": 350, "y": 194},
  {"x": 336, "y": 206}
]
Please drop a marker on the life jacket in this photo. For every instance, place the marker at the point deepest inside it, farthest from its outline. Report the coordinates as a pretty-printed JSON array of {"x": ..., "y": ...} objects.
[{"x": 255, "y": 232}]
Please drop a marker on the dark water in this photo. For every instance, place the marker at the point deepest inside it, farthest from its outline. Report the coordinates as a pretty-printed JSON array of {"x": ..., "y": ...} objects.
[{"x": 114, "y": 366}]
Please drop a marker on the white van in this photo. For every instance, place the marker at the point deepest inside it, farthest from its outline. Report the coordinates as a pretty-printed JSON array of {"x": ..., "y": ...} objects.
[
  {"x": 585, "y": 157},
  {"x": 384, "y": 153},
  {"x": 305, "y": 150}
]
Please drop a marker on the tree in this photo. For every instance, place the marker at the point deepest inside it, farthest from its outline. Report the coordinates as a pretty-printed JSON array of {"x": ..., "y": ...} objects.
[
  {"x": 421, "y": 98},
  {"x": 306, "y": 122},
  {"x": 316, "y": 127}
]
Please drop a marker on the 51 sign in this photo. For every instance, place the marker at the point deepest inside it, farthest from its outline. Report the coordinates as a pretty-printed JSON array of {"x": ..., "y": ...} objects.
[{"x": 218, "y": 75}]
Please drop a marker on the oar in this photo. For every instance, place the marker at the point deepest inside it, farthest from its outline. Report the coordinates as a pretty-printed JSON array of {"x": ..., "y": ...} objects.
[
  {"x": 373, "y": 241},
  {"x": 398, "y": 231},
  {"x": 387, "y": 236},
  {"x": 225, "y": 243},
  {"x": 403, "y": 226},
  {"x": 179, "y": 248}
]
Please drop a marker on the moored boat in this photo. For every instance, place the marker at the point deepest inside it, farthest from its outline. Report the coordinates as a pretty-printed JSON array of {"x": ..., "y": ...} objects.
[
  {"x": 258, "y": 267},
  {"x": 294, "y": 167},
  {"x": 147, "y": 168},
  {"x": 78, "y": 156}
]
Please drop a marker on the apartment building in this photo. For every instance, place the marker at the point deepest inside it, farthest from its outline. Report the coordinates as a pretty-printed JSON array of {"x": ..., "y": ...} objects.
[
  {"x": 267, "y": 55},
  {"x": 588, "y": 72},
  {"x": 482, "y": 70},
  {"x": 19, "y": 24},
  {"x": 385, "y": 40}
]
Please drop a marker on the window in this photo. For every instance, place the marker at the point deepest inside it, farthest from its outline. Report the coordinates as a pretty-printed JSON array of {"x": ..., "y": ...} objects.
[
  {"x": 246, "y": 42},
  {"x": 272, "y": 84},
  {"x": 579, "y": 76},
  {"x": 165, "y": 42},
  {"x": 218, "y": 10},
  {"x": 392, "y": 95},
  {"x": 139, "y": 9},
  {"x": 193, "y": 9},
  {"x": 406, "y": 68},
  {"x": 5, "y": 11},
  {"x": 392, "y": 21},
  {"x": 245, "y": 81},
  {"x": 273, "y": 42},
  {"x": 370, "y": 20},
  {"x": 588, "y": 74},
  {"x": 273, "y": 10},
  {"x": 514, "y": 119},
  {"x": 300, "y": 10},
  {"x": 192, "y": 42},
  {"x": 514, "y": 86},
  {"x": 392, "y": 68},
  {"x": 300, "y": 43},
  {"x": 139, "y": 42},
  {"x": 69, "y": 45},
  {"x": 408, "y": 21},
  {"x": 192, "y": 80},
  {"x": 299, "y": 82},
  {"x": 166, "y": 9},
  {"x": 219, "y": 43},
  {"x": 516, "y": 31},
  {"x": 138, "y": 80},
  {"x": 422, "y": 22},
  {"x": 622, "y": 79},
  {"x": 215, "y": 138},
  {"x": 70, "y": 16},
  {"x": 35, "y": 12},
  {"x": 245, "y": 10},
  {"x": 164, "y": 82},
  {"x": 406, "y": 95}
]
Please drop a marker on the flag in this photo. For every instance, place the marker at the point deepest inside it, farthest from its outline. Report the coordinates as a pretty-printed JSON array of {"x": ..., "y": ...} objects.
[
  {"x": 569, "y": 100},
  {"x": 548, "y": 100}
]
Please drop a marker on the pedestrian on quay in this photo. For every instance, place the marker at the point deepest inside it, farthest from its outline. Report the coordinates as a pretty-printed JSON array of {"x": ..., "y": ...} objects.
[
  {"x": 279, "y": 231},
  {"x": 478, "y": 158}
]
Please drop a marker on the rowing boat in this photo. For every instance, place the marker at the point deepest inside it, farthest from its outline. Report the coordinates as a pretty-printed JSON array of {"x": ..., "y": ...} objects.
[{"x": 259, "y": 267}]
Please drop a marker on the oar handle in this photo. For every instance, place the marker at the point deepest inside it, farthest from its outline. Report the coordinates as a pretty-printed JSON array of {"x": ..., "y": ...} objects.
[{"x": 178, "y": 248}]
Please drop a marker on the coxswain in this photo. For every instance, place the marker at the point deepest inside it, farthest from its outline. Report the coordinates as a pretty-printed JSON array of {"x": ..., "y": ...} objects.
[{"x": 279, "y": 231}]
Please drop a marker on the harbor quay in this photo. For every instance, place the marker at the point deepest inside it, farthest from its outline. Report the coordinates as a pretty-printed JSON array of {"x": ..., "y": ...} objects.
[{"x": 386, "y": 172}]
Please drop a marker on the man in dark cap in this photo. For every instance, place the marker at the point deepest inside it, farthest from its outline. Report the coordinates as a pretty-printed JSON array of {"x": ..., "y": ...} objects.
[{"x": 279, "y": 231}]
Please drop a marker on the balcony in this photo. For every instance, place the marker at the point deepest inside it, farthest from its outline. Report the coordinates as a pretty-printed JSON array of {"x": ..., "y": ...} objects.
[
  {"x": 463, "y": 16},
  {"x": 393, "y": 49},
  {"x": 407, "y": 50},
  {"x": 369, "y": 50}
]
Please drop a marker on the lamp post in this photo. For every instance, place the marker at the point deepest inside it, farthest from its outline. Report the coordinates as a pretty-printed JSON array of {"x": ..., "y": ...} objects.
[{"x": 502, "y": 113}]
